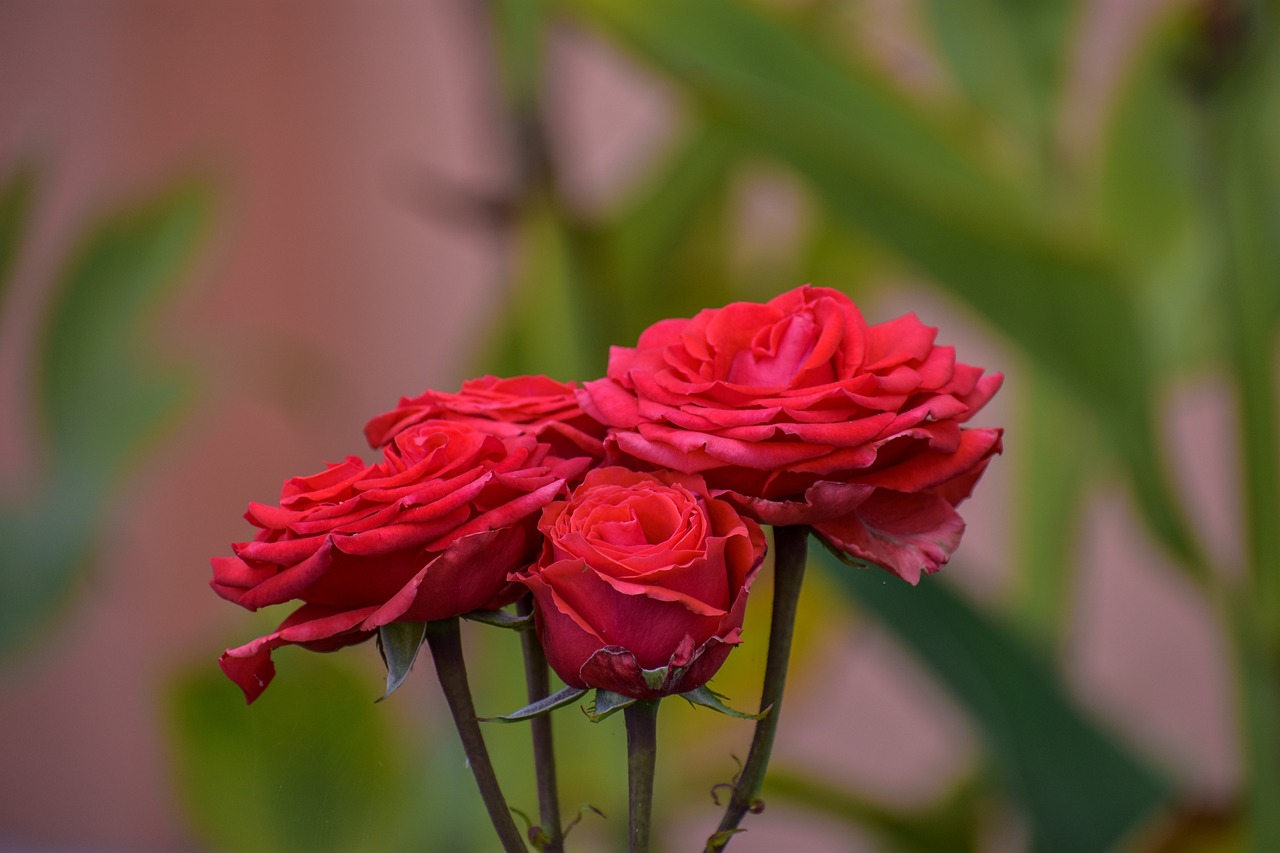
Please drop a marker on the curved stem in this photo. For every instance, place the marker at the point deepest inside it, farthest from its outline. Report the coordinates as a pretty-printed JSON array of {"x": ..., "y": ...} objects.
[
  {"x": 445, "y": 641},
  {"x": 790, "y": 549},
  {"x": 642, "y": 753},
  {"x": 538, "y": 683}
]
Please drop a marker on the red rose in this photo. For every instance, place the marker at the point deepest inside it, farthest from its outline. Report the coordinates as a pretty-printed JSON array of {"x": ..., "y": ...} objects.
[
  {"x": 521, "y": 405},
  {"x": 799, "y": 412},
  {"x": 642, "y": 572},
  {"x": 428, "y": 533}
]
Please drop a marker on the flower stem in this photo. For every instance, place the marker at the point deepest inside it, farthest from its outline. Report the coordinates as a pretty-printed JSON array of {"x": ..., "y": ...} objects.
[
  {"x": 445, "y": 640},
  {"x": 538, "y": 683},
  {"x": 642, "y": 752},
  {"x": 790, "y": 550}
]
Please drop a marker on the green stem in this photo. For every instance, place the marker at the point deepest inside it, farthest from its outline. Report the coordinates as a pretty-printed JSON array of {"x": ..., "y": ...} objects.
[
  {"x": 538, "y": 682},
  {"x": 642, "y": 753},
  {"x": 445, "y": 641},
  {"x": 790, "y": 551}
]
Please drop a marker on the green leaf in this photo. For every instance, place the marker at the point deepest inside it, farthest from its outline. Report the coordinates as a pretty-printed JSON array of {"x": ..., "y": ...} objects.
[
  {"x": 1054, "y": 468},
  {"x": 950, "y": 826},
  {"x": 500, "y": 619},
  {"x": 886, "y": 169},
  {"x": 605, "y": 704},
  {"x": 518, "y": 29},
  {"x": 547, "y": 328},
  {"x": 15, "y": 210},
  {"x": 708, "y": 698},
  {"x": 100, "y": 397},
  {"x": 1054, "y": 761},
  {"x": 1150, "y": 206},
  {"x": 311, "y": 766},
  {"x": 399, "y": 643},
  {"x": 1042, "y": 33},
  {"x": 662, "y": 254},
  {"x": 559, "y": 699},
  {"x": 977, "y": 41},
  {"x": 751, "y": 72},
  {"x": 101, "y": 393}
]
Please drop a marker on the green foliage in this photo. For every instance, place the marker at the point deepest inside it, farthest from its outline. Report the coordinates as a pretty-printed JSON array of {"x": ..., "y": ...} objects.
[
  {"x": 101, "y": 399},
  {"x": 313, "y": 765},
  {"x": 1055, "y": 762},
  {"x": 951, "y": 826},
  {"x": 882, "y": 166}
]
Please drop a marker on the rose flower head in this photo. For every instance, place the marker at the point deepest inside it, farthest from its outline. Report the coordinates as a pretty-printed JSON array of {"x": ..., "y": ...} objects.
[
  {"x": 520, "y": 405},
  {"x": 800, "y": 413},
  {"x": 642, "y": 583},
  {"x": 429, "y": 532}
]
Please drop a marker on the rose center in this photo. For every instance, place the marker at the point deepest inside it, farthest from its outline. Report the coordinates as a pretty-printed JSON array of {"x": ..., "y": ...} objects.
[
  {"x": 636, "y": 521},
  {"x": 777, "y": 353}
]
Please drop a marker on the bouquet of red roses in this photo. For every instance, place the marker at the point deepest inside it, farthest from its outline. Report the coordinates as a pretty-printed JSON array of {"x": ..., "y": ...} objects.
[{"x": 621, "y": 518}]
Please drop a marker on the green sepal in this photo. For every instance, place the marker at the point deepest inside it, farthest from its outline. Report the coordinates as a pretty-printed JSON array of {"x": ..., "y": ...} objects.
[
  {"x": 543, "y": 706},
  {"x": 708, "y": 698},
  {"x": 500, "y": 619},
  {"x": 655, "y": 679},
  {"x": 398, "y": 642},
  {"x": 605, "y": 704}
]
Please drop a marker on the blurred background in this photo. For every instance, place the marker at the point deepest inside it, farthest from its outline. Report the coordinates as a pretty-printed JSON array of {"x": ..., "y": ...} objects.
[{"x": 231, "y": 233}]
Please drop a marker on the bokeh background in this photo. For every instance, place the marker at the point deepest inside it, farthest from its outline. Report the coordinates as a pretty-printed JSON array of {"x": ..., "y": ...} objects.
[{"x": 230, "y": 233}]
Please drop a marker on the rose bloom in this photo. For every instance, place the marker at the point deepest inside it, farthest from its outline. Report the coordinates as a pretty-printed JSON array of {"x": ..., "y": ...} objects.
[
  {"x": 641, "y": 572},
  {"x": 430, "y": 532},
  {"x": 520, "y": 405},
  {"x": 799, "y": 412}
]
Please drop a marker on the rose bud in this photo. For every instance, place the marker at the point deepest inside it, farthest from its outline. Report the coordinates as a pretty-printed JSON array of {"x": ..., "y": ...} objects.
[
  {"x": 430, "y": 532},
  {"x": 641, "y": 572},
  {"x": 800, "y": 413},
  {"x": 521, "y": 405}
]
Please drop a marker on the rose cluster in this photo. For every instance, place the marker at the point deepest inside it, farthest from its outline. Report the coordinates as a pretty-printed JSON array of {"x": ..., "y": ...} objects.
[{"x": 630, "y": 506}]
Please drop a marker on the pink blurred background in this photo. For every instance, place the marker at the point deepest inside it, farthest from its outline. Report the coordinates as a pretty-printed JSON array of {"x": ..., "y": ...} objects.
[{"x": 325, "y": 292}]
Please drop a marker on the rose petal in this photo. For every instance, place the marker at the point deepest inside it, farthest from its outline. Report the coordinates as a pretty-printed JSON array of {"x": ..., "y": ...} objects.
[{"x": 909, "y": 535}]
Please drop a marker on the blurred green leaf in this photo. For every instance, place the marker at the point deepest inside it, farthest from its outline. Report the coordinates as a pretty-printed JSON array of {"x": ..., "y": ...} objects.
[
  {"x": 879, "y": 165},
  {"x": 101, "y": 398},
  {"x": 1151, "y": 210},
  {"x": 749, "y": 71},
  {"x": 547, "y": 328},
  {"x": 1080, "y": 789},
  {"x": 1238, "y": 126},
  {"x": 1042, "y": 33},
  {"x": 1055, "y": 468},
  {"x": 950, "y": 826},
  {"x": 978, "y": 42},
  {"x": 15, "y": 210},
  {"x": 101, "y": 393},
  {"x": 312, "y": 765},
  {"x": 663, "y": 253},
  {"x": 518, "y": 28}
]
